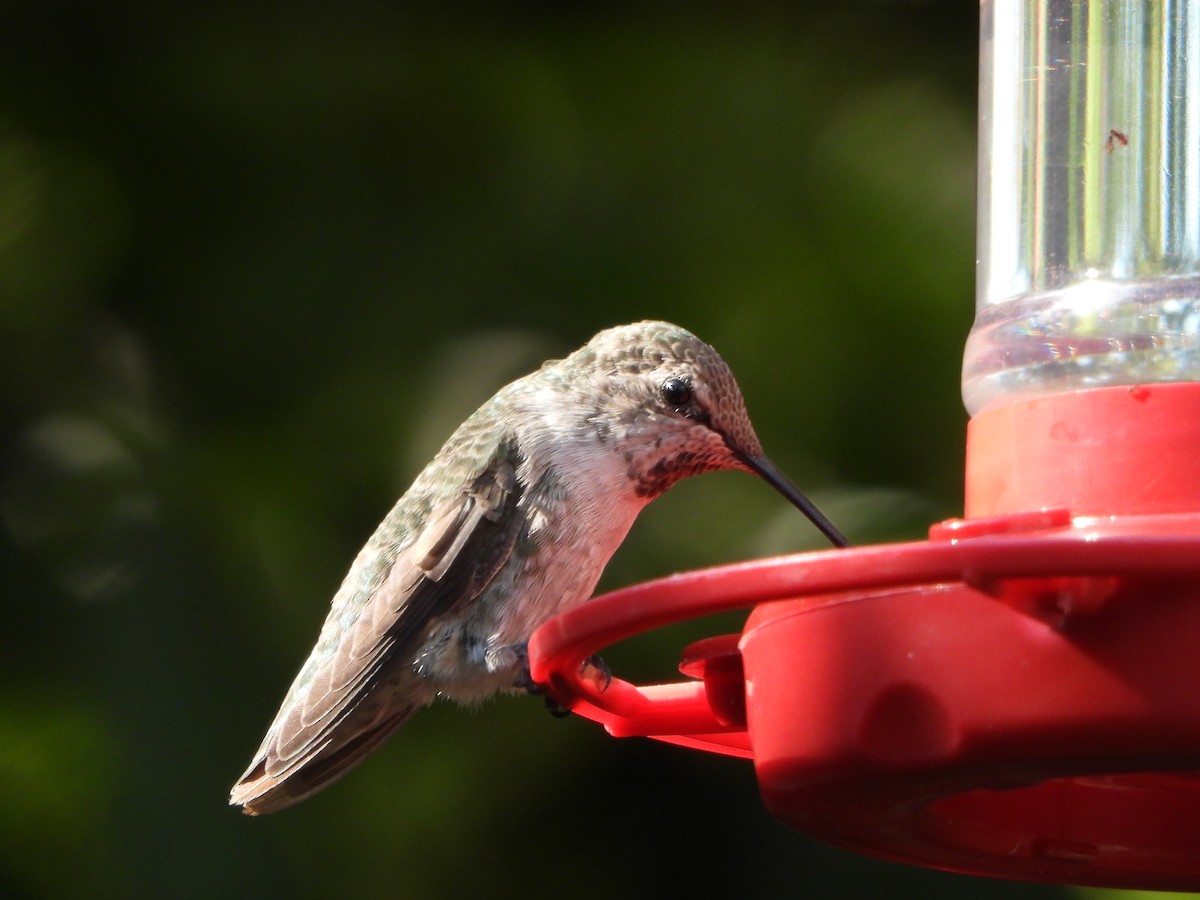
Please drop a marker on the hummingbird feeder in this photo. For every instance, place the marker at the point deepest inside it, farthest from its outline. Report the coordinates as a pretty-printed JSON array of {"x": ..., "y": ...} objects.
[{"x": 1019, "y": 695}]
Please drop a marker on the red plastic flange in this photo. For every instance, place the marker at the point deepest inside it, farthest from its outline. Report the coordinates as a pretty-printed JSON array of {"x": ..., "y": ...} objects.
[
  {"x": 1129, "y": 450},
  {"x": 1019, "y": 696}
]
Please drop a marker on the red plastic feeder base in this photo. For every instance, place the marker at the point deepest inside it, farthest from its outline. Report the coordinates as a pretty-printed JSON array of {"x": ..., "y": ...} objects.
[{"x": 1018, "y": 696}]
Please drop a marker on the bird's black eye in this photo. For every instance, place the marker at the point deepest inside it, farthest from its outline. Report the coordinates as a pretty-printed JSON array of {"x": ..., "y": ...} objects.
[{"x": 677, "y": 392}]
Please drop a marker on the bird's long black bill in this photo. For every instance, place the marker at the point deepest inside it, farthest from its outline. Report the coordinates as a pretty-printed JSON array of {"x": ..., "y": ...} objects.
[{"x": 774, "y": 477}]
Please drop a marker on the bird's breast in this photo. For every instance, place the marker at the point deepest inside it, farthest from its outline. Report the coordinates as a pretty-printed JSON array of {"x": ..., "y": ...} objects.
[{"x": 578, "y": 509}]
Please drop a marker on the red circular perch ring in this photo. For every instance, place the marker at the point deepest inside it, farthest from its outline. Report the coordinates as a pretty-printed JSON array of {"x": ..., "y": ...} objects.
[{"x": 1018, "y": 696}]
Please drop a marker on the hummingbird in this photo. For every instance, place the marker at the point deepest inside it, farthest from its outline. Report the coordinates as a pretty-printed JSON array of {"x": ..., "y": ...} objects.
[{"x": 511, "y": 523}]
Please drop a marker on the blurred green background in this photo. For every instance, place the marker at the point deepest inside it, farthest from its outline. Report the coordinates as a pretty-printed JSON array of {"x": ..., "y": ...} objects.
[{"x": 257, "y": 261}]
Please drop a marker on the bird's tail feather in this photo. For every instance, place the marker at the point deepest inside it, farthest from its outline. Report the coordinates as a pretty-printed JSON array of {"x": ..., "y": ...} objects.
[{"x": 260, "y": 791}]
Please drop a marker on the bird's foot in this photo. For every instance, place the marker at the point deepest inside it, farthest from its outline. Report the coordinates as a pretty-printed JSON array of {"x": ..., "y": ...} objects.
[
  {"x": 593, "y": 668},
  {"x": 524, "y": 680}
]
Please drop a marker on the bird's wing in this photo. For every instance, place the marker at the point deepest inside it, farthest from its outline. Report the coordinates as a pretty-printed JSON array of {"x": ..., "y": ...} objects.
[{"x": 341, "y": 706}]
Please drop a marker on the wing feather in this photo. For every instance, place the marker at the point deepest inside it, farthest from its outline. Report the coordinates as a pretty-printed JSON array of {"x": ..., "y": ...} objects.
[{"x": 358, "y": 686}]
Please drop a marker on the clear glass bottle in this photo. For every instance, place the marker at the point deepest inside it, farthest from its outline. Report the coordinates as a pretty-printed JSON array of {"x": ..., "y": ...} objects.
[{"x": 1089, "y": 197}]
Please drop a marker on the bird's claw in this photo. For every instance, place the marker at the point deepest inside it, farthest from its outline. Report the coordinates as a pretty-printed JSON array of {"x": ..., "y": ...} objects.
[
  {"x": 524, "y": 680},
  {"x": 526, "y": 683},
  {"x": 594, "y": 667},
  {"x": 556, "y": 709},
  {"x": 598, "y": 670}
]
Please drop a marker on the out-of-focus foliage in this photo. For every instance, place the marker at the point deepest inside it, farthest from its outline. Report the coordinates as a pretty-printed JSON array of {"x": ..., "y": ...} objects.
[{"x": 256, "y": 261}]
